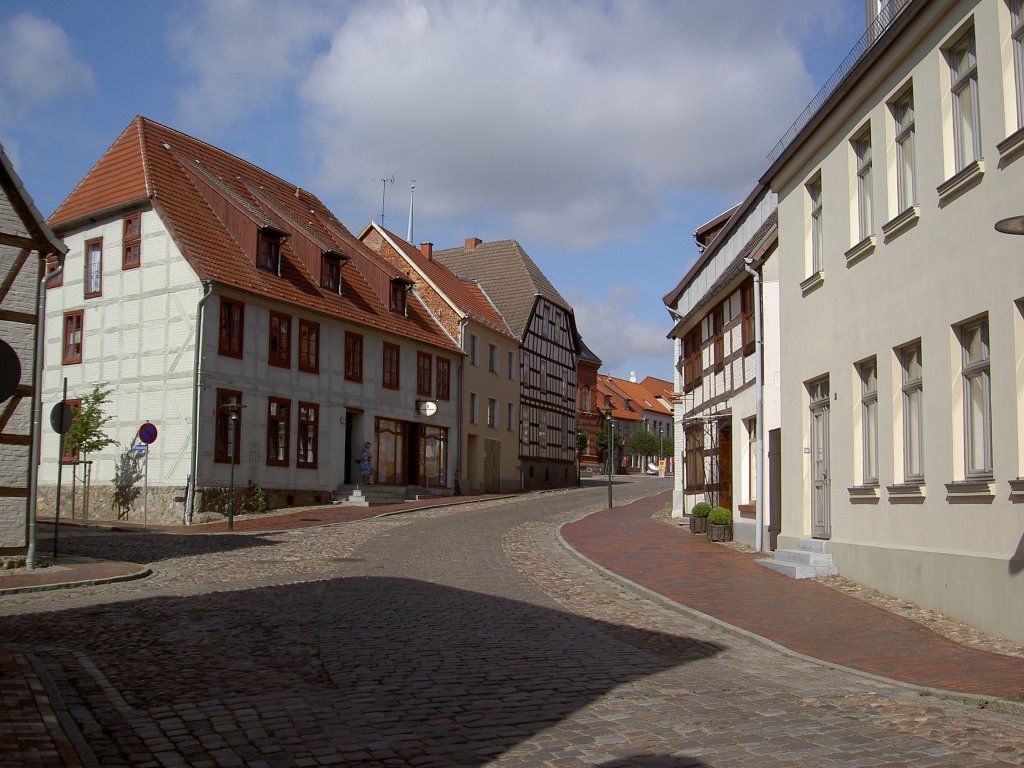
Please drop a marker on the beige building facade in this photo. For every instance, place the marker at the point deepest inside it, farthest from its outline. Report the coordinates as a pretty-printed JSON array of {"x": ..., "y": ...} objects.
[{"x": 902, "y": 314}]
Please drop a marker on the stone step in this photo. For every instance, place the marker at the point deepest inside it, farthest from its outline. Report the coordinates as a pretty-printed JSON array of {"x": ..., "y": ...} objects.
[
  {"x": 802, "y": 557},
  {"x": 792, "y": 570},
  {"x": 812, "y": 545},
  {"x": 807, "y": 561}
]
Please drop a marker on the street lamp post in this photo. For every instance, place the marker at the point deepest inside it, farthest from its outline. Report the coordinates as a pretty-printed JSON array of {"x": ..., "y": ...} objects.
[{"x": 611, "y": 456}]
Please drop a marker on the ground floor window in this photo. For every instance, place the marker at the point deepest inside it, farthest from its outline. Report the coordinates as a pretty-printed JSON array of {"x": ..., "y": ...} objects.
[
  {"x": 390, "y": 469},
  {"x": 433, "y": 456}
]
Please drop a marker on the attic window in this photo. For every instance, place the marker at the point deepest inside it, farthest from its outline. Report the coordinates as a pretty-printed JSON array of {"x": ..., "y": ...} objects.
[
  {"x": 399, "y": 300},
  {"x": 330, "y": 271},
  {"x": 268, "y": 251}
]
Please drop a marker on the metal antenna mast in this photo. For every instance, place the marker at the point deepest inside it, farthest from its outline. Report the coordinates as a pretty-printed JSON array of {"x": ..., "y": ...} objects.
[
  {"x": 383, "y": 193},
  {"x": 412, "y": 193}
]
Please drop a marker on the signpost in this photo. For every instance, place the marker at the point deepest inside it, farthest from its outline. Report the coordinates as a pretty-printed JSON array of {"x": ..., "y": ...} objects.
[
  {"x": 61, "y": 417},
  {"x": 147, "y": 434}
]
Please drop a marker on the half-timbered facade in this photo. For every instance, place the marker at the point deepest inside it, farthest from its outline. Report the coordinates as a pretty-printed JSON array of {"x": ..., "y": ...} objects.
[
  {"x": 714, "y": 338},
  {"x": 25, "y": 244},
  {"x": 548, "y": 350},
  {"x": 236, "y": 313},
  {"x": 486, "y": 387}
]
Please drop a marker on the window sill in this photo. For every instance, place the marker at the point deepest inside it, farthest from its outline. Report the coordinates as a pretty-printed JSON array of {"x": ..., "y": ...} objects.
[
  {"x": 966, "y": 490},
  {"x": 906, "y": 492},
  {"x": 1017, "y": 489},
  {"x": 959, "y": 183},
  {"x": 860, "y": 250},
  {"x": 1010, "y": 147},
  {"x": 864, "y": 494},
  {"x": 901, "y": 223},
  {"x": 746, "y": 510},
  {"x": 812, "y": 282}
]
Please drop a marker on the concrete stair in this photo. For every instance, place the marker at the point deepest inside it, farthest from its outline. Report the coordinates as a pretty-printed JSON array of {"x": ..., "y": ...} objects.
[
  {"x": 807, "y": 561},
  {"x": 375, "y": 495}
]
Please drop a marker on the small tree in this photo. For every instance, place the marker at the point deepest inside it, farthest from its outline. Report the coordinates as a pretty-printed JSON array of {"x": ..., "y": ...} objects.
[
  {"x": 643, "y": 443},
  {"x": 127, "y": 472},
  {"x": 86, "y": 434}
]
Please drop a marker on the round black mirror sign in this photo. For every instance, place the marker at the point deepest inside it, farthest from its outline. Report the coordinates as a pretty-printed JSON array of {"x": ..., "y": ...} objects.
[
  {"x": 10, "y": 370},
  {"x": 61, "y": 417}
]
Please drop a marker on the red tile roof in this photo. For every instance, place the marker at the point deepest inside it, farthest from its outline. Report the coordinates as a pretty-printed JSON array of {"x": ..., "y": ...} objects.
[{"x": 214, "y": 203}]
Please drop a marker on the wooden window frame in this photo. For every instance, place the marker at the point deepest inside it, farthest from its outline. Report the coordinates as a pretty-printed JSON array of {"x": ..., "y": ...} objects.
[
  {"x": 308, "y": 416},
  {"x": 52, "y": 263},
  {"x": 391, "y": 366},
  {"x": 399, "y": 298},
  {"x": 693, "y": 359},
  {"x": 223, "y": 415},
  {"x": 330, "y": 273},
  {"x": 131, "y": 241},
  {"x": 232, "y": 328},
  {"x": 86, "y": 293},
  {"x": 278, "y": 404},
  {"x": 309, "y": 346},
  {"x": 747, "y": 330},
  {"x": 718, "y": 336},
  {"x": 281, "y": 357},
  {"x": 424, "y": 373},
  {"x": 353, "y": 356},
  {"x": 444, "y": 378},
  {"x": 268, "y": 252},
  {"x": 75, "y": 357}
]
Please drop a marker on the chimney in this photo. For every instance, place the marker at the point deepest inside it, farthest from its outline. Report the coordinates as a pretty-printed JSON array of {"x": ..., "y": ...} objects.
[
  {"x": 427, "y": 249},
  {"x": 472, "y": 242}
]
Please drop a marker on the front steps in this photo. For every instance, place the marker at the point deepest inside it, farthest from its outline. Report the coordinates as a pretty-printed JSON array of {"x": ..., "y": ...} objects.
[
  {"x": 809, "y": 560},
  {"x": 375, "y": 495}
]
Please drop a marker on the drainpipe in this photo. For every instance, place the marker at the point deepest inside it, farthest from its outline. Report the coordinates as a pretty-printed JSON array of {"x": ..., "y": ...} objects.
[
  {"x": 37, "y": 415},
  {"x": 759, "y": 408},
  {"x": 459, "y": 479},
  {"x": 193, "y": 467}
]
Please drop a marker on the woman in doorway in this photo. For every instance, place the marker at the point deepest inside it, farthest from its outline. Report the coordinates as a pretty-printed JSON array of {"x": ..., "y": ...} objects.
[{"x": 366, "y": 464}]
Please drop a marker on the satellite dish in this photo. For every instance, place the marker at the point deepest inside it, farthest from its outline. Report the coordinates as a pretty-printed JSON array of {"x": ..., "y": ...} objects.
[{"x": 10, "y": 370}]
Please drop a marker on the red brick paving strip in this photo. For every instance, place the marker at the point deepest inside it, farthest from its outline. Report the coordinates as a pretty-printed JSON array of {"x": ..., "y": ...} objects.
[{"x": 802, "y": 615}]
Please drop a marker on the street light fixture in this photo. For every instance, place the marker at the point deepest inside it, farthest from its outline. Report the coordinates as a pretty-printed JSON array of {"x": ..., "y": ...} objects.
[{"x": 610, "y": 456}]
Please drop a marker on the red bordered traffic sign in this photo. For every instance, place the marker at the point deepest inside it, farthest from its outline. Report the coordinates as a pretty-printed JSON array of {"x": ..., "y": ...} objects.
[{"x": 147, "y": 433}]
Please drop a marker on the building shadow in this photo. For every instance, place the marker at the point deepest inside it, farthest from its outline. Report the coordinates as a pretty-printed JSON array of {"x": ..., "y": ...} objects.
[
  {"x": 1017, "y": 558},
  {"x": 364, "y": 668},
  {"x": 654, "y": 761}
]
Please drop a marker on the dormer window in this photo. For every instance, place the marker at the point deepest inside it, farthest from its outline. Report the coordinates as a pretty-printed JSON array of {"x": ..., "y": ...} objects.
[
  {"x": 268, "y": 251},
  {"x": 399, "y": 300},
  {"x": 330, "y": 271}
]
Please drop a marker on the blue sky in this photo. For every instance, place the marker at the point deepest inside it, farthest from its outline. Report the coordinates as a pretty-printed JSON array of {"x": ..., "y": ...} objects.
[{"x": 598, "y": 134}]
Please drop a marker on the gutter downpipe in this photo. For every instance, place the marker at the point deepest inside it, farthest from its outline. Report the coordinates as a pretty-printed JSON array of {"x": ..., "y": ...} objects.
[
  {"x": 37, "y": 414},
  {"x": 759, "y": 408},
  {"x": 193, "y": 467},
  {"x": 459, "y": 479}
]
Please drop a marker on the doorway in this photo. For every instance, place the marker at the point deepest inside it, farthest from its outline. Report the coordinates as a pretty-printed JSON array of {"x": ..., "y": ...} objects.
[
  {"x": 821, "y": 522},
  {"x": 492, "y": 466},
  {"x": 725, "y": 467}
]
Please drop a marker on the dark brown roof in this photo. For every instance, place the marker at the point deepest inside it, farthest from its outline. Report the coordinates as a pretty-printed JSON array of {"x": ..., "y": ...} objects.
[
  {"x": 508, "y": 275},
  {"x": 213, "y": 204}
]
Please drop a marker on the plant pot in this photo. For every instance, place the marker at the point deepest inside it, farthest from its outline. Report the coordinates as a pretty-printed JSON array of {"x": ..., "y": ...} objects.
[
  {"x": 698, "y": 524},
  {"x": 719, "y": 532}
]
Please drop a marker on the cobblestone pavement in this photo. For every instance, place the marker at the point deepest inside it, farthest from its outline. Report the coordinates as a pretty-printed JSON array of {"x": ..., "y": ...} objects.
[{"x": 463, "y": 636}]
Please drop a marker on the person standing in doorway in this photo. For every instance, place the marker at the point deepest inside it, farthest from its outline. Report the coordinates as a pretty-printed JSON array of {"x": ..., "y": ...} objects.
[{"x": 366, "y": 465}]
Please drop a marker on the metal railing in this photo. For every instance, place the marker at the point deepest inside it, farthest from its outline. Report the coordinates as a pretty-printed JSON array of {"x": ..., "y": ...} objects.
[{"x": 886, "y": 15}]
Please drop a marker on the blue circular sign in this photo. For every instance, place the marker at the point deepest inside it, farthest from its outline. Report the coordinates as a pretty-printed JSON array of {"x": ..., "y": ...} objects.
[{"x": 147, "y": 433}]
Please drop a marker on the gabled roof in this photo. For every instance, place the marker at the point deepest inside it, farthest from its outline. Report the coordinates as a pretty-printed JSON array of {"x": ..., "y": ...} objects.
[
  {"x": 609, "y": 391},
  {"x": 32, "y": 228},
  {"x": 214, "y": 203},
  {"x": 649, "y": 395},
  {"x": 467, "y": 297},
  {"x": 508, "y": 275}
]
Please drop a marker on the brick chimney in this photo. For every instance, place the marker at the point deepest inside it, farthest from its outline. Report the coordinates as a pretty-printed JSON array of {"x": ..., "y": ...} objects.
[
  {"x": 472, "y": 242},
  {"x": 427, "y": 249}
]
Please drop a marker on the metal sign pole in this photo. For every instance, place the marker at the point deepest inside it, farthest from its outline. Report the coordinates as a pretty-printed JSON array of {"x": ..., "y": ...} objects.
[
  {"x": 60, "y": 466},
  {"x": 145, "y": 491}
]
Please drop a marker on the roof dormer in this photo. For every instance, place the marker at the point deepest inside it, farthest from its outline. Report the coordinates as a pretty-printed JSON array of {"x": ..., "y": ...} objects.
[
  {"x": 331, "y": 263},
  {"x": 268, "y": 249},
  {"x": 399, "y": 303}
]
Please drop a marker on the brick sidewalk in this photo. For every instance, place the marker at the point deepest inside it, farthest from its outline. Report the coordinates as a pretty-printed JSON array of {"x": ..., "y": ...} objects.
[{"x": 802, "y": 615}]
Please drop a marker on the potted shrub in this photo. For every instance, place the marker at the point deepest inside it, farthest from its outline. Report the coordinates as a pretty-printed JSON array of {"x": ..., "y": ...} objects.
[
  {"x": 699, "y": 517},
  {"x": 720, "y": 524}
]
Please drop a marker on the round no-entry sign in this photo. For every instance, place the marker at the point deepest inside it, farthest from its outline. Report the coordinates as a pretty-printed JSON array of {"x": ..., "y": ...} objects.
[{"x": 147, "y": 433}]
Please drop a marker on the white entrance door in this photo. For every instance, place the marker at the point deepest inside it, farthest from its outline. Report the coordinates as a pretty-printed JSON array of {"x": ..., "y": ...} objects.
[{"x": 821, "y": 525}]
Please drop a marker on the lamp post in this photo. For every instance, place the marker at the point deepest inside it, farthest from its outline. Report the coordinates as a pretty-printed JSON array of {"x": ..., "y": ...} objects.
[
  {"x": 611, "y": 457},
  {"x": 233, "y": 426}
]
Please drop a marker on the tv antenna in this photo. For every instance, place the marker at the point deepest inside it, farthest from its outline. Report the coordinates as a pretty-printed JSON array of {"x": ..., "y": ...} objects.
[{"x": 383, "y": 194}]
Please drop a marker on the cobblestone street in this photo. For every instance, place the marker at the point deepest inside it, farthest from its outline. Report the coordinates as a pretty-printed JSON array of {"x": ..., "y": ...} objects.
[{"x": 460, "y": 636}]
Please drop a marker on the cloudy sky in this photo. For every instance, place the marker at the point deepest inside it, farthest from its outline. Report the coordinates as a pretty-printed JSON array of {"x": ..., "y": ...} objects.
[{"x": 598, "y": 134}]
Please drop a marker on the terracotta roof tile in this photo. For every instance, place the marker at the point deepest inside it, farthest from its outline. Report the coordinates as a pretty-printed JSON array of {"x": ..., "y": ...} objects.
[{"x": 178, "y": 165}]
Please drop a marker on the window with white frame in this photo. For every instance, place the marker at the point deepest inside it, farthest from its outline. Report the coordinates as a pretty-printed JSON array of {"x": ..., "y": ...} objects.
[
  {"x": 474, "y": 349},
  {"x": 862, "y": 150},
  {"x": 752, "y": 460},
  {"x": 510, "y": 413},
  {"x": 473, "y": 408},
  {"x": 913, "y": 413},
  {"x": 903, "y": 117},
  {"x": 492, "y": 358},
  {"x": 1017, "y": 27},
  {"x": 868, "y": 371},
  {"x": 977, "y": 400},
  {"x": 492, "y": 412},
  {"x": 511, "y": 369},
  {"x": 817, "y": 237},
  {"x": 963, "y": 65}
]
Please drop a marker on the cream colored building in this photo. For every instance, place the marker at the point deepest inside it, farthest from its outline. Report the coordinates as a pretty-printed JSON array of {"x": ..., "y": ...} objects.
[{"x": 902, "y": 313}]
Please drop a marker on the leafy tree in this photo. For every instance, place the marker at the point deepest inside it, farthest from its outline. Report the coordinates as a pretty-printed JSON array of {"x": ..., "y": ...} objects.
[
  {"x": 643, "y": 443},
  {"x": 86, "y": 434},
  {"x": 127, "y": 472}
]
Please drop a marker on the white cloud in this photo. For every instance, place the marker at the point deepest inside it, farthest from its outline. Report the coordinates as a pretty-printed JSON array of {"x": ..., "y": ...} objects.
[
  {"x": 37, "y": 66},
  {"x": 241, "y": 55},
  {"x": 572, "y": 118},
  {"x": 623, "y": 341}
]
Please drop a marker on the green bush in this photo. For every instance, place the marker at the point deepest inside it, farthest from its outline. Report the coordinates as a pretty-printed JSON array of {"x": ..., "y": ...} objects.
[
  {"x": 720, "y": 516},
  {"x": 701, "y": 509}
]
